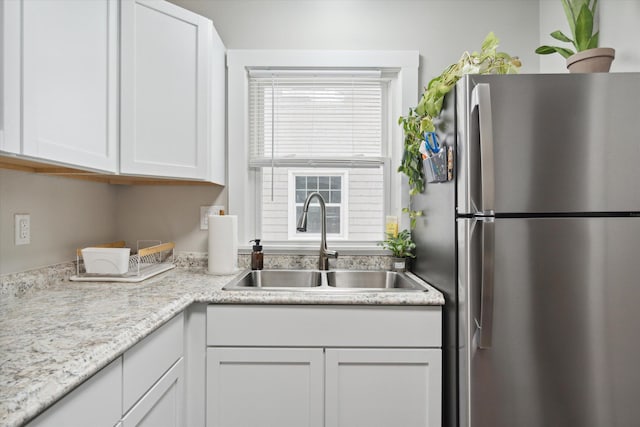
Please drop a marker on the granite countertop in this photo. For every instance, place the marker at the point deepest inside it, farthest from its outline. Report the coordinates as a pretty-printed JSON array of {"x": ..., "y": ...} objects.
[{"x": 55, "y": 337}]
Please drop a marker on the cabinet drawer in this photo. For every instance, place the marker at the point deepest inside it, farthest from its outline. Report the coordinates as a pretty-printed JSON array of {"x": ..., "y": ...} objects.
[
  {"x": 96, "y": 402},
  {"x": 324, "y": 326},
  {"x": 148, "y": 360},
  {"x": 162, "y": 405}
]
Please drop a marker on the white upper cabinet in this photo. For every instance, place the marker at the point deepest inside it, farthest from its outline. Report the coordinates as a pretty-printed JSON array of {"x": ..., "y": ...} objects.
[
  {"x": 218, "y": 102},
  {"x": 166, "y": 55},
  {"x": 69, "y": 77},
  {"x": 135, "y": 87},
  {"x": 10, "y": 77}
]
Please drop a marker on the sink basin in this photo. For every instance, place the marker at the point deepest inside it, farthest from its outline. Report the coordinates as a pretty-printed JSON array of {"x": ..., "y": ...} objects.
[
  {"x": 254, "y": 279},
  {"x": 372, "y": 280},
  {"x": 327, "y": 281}
]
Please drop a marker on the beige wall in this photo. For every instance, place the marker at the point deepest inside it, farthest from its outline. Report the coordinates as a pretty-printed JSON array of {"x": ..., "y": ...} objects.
[
  {"x": 439, "y": 29},
  {"x": 65, "y": 214},
  {"x": 167, "y": 213}
]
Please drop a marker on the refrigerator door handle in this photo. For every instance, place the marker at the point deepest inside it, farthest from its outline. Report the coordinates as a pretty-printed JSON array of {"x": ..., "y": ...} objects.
[
  {"x": 486, "y": 297},
  {"x": 481, "y": 99}
]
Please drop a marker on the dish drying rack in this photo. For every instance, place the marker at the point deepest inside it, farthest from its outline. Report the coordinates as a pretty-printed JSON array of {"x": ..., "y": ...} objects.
[{"x": 152, "y": 257}]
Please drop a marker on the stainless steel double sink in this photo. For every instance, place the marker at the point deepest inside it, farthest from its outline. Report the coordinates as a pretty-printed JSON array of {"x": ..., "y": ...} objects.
[{"x": 327, "y": 281}]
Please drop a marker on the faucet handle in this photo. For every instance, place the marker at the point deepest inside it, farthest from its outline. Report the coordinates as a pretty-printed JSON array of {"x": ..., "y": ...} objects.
[{"x": 331, "y": 254}]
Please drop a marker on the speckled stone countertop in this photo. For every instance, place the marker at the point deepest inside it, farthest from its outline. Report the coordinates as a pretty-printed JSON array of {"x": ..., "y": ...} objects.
[{"x": 54, "y": 337}]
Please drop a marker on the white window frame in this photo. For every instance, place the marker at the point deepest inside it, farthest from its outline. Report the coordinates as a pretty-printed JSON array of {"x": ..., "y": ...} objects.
[
  {"x": 344, "y": 205},
  {"x": 244, "y": 200}
]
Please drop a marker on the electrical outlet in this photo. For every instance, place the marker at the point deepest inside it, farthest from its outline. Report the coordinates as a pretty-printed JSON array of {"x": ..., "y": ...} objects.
[
  {"x": 205, "y": 211},
  {"x": 23, "y": 229}
]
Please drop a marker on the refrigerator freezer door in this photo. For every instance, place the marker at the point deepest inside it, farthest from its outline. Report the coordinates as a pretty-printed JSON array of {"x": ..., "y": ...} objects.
[
  {"x": 561, "y": 143},
  {"x": 566, "y": 316}
]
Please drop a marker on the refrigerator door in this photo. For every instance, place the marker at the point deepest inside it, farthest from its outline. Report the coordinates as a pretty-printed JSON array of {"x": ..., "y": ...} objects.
[
  {"x": 548, "y": 143},
  {"x": 565, "y": 310}
]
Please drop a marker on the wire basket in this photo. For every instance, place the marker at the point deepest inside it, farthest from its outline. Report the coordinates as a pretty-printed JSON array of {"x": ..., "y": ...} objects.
[{"x": 150, "y": 258}]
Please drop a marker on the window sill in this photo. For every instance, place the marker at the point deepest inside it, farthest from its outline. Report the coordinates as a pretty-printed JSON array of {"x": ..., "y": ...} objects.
[{"x": 312, "y": 249}]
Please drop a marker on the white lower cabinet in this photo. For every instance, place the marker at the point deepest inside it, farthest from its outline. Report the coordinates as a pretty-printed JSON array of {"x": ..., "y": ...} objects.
[
  {"x": 144, "y": 387},
  {"x": 267, "y": 387},
  {"x": 383, "y": 387},
  {"x": 147, "y": 361},
  {"x": 162, "y": 406},
  {"x": 389, "y": 376},
  {"x": 96, "y": 402},
  {"x": 153, "y": 378}
]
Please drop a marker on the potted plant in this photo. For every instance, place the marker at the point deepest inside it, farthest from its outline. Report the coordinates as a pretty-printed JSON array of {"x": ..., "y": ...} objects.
[
  {"x": 402, "y": 247},
  {"x": 421, "y": 118},
  {"x": 588, "y": 57}
]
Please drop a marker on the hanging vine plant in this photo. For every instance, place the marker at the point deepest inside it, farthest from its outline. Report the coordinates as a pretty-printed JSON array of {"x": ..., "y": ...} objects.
[{"x": 420, "y": 119}]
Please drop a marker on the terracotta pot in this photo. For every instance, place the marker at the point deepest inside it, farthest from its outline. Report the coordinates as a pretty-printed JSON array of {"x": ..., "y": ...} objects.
[{"x": 597, "y": 60}]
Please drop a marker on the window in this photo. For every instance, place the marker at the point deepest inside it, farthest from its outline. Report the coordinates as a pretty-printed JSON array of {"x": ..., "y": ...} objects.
[
  {"x": 318, "y": 122},
  {"x": 333, "y": 125},
  {"x": 329, "y": 186}
]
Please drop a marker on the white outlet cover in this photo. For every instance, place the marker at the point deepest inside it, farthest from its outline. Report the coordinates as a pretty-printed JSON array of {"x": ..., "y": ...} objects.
[
  {"x": 22, "y": 229},
  {"x": 205, "y": 211}
]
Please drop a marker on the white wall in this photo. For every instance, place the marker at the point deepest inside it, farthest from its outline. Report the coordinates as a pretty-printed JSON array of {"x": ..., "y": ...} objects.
[
  {"x": 620, "y": 29},
  {"x": 619, "y": 23},
  {"x": 552, "y": 18},
  {"x": 65, "y": 214},
  {"x": 440, "y": 29}
]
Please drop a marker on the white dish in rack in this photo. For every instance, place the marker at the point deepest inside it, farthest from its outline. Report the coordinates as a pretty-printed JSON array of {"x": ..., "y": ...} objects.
[{"x": 106, "y": 260}]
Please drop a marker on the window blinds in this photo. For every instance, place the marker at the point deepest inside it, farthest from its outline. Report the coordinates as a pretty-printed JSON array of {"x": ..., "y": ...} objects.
[{"x": 316, "y": 120}]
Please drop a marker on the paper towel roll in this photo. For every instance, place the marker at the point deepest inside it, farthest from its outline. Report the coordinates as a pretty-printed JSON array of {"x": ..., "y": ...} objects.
[{"x": 223, "y": 244}]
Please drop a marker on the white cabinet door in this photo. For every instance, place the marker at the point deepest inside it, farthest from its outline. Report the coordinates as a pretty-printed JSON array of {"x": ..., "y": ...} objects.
[
  {"x": 383, "y": 387},
  {"x": 266, "y": 387},
  {"x": 218, "y": 102},
  {"x": 69, "y": 81},
  {"x": 165, "y": 87},
  {"x": 162, "y": 405},
  {"x": 10, "y": 77},
  {"x": 97, "y": 402}
]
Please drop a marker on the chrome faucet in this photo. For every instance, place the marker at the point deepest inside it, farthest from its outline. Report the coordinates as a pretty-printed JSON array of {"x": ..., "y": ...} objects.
[{"x": 325, "y": 254}]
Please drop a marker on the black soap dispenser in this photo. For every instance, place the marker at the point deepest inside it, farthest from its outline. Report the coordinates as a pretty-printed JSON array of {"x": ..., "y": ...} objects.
[{"x": 257, "y": 257}]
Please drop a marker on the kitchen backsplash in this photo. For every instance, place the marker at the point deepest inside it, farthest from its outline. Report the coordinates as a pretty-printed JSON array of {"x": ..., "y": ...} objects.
[
  {"x": 16, "y": 284},
  {"x": 305, "y": 262}
]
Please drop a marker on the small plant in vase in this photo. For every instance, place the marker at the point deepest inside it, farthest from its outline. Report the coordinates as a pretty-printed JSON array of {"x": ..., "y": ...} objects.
[
  {"x": 588, "y": 57},
  {"x": 401, "y": 246}
]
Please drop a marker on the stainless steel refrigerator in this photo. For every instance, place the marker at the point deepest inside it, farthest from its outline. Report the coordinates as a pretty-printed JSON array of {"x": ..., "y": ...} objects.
[{"x": 536, "y": 245}]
